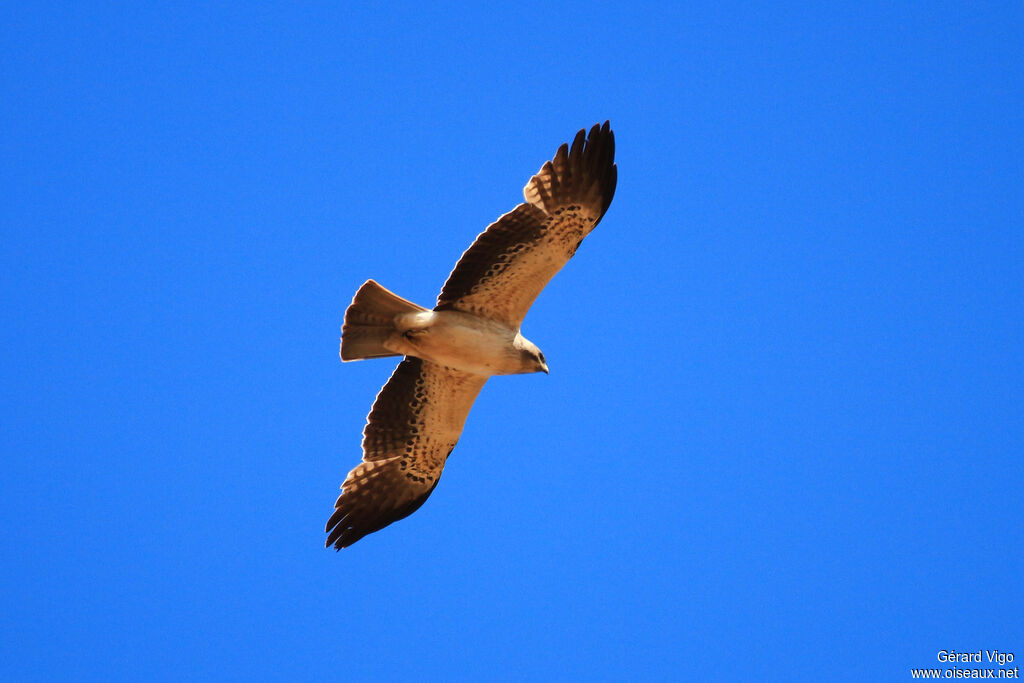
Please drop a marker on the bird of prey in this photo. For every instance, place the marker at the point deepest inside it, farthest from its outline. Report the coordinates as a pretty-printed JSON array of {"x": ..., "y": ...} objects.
[{"x": 471, "y": 334}]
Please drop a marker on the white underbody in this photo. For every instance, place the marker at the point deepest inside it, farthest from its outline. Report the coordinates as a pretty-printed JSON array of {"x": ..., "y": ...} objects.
[{"x": 459, "y": 340}]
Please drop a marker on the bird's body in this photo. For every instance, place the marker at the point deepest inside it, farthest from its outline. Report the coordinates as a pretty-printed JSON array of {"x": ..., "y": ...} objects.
[
  {"x": 464, "y": 341},
  {"x": 471, "y": 334}
]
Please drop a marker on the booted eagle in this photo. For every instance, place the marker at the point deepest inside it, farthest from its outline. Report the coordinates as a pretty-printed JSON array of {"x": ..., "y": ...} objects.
[{"x": 471, "y": 334}]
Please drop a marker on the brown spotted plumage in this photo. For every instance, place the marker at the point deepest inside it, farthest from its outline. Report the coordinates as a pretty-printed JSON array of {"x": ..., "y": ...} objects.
[
  {"x": 471, "y": 334},
  {"x": 510, "y": 262},
  {"x": 413, "y": 426}
]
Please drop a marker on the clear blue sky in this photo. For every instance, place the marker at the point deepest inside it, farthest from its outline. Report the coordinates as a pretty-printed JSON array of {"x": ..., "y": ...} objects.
[{"x": 782, "y": 436}]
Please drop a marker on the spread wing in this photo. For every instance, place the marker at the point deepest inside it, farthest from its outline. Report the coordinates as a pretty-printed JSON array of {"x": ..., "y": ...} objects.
[
  {"x": 412, "y": 428},
  {"x": 508, "y": 265}
]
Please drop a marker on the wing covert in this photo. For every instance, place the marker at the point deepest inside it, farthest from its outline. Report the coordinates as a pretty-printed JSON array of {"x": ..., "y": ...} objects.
[
  {"x": 413, "y": 426},
  {"x": 508, "y": 264}
]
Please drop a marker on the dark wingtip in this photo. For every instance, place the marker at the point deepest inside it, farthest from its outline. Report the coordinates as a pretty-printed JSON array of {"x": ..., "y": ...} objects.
[{"x": 601, "y": 143}]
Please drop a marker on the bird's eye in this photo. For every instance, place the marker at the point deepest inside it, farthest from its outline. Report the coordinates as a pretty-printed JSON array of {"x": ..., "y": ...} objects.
[{"x": 542, "y": 358}]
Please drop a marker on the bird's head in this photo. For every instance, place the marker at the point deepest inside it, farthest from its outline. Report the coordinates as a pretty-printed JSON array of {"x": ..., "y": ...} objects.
[{"x": 530, "y": 356}]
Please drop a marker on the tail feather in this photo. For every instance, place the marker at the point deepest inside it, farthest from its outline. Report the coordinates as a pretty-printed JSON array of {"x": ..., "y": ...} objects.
[{"x": 370, "y": 320}]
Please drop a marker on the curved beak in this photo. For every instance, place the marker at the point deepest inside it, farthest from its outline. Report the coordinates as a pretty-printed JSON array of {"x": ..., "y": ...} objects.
[{"x": 544, "y": 368}]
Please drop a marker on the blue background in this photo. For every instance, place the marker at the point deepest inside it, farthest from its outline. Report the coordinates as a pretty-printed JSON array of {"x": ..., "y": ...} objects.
[{"x": 782, "y": 434}]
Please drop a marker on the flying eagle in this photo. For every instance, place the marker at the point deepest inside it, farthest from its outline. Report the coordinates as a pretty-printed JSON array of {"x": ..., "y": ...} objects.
[{"x": 472, "y": 333}]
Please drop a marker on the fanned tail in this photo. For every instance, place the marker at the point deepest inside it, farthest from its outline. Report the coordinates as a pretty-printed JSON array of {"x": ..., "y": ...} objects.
[{"x": 370, "y": 320}]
